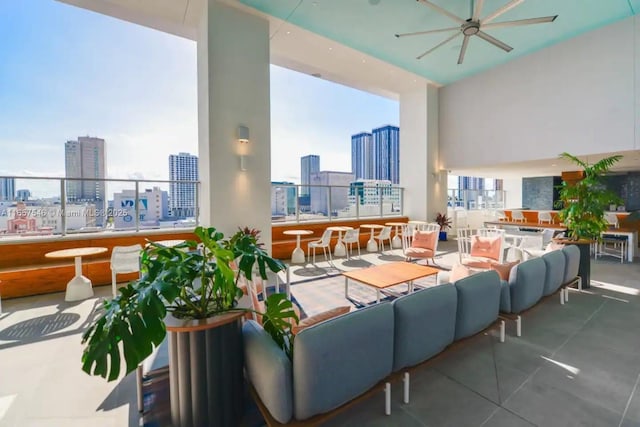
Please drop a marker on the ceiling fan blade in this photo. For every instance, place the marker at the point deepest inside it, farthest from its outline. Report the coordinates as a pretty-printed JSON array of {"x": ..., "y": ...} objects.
[
  {"x": 494, "y": 41},
  {"x": 507, "y": 7},
  {"x": 478, "y": 10},
  {"x": 519, "y": 22},
  {"x": 439, "y": 44},
  {"x": 463, "y": 49},
  {"x": 418, "y": 33},
  {"x": 443, "y": 11}
]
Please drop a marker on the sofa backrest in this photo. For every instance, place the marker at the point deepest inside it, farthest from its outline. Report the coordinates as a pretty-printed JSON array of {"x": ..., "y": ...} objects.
[
  {"x": 425, "y": 323},
  {"x": 572, "y": 265},
  {"x": 269, "y": 370},
  {"x": 554, "y": 277},
  {"x": 337, "y": 360},
  {"x": 526, "y": 284},
  {"x": 478, "y": 303}
]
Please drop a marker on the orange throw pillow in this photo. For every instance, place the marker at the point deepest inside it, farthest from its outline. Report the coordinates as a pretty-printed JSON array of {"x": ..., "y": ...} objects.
[
  {"x": 487, "y": 247},
  {"x": 504, "y": 269},
  {"x": 424, "y": 239},
  {"x": 320, "y": 317}
]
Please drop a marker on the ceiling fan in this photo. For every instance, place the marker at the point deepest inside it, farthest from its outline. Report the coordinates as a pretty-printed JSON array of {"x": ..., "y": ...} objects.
[{"x": 475, "y": 26}]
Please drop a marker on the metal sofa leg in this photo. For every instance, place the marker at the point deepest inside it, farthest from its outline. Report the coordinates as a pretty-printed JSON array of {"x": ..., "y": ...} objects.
[
  {"x": 139, "y": 388},
  {"x": 387, "y": 399},
  {"x": 405, "y": 381},
  {"x": 502, "y": 331},
  {"x": 519, "y": 326}
]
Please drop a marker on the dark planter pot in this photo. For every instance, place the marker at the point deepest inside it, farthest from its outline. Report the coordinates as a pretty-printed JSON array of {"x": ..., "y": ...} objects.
[
  {"x": 585, "y": 262},
  {"x": 205, "y": 371},
  {"x": 443, "y": 236}
]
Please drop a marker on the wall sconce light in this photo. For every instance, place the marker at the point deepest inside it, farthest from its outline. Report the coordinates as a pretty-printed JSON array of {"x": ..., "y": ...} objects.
[{"x": 242, "y": 135}]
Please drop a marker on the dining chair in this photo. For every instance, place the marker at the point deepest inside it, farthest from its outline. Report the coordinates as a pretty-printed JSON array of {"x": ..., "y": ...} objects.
[
  {"x": 324, "y": 243},
  {"x": 385, "y": 234},
  {"x": 124, "y": 259},
  {"x": 612, "y": 220},
  {"x": 545, "y": 217},
  {"x": 350, "y": 238},
  {"x": 517, "y": 216},
  {"x": 464, "y": 242}
]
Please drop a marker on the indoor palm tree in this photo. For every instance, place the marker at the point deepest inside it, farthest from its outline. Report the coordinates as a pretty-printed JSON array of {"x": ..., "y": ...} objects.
[{"x": 584, "y": 202}]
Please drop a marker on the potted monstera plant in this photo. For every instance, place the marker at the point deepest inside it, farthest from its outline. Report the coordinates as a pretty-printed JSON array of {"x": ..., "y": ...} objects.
[{"x": 192, "y": 291}]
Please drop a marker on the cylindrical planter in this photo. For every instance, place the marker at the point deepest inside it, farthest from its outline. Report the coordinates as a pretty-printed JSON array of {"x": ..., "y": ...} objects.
[{"x": 205, "y": 371}]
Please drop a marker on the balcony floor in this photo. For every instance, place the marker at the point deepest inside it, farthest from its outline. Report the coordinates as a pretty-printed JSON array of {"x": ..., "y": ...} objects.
[{"x": 577, "y": 364}]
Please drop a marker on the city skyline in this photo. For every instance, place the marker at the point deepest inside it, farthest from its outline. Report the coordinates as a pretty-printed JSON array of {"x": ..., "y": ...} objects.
[{"x": 140, "y": 94}]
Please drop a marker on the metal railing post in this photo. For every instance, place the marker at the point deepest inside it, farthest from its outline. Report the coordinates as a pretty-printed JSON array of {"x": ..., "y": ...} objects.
[
  {"x": 297, "y": 204},
  {"x": 63, "y": 206},
  {"x": 196, "y": 208},
  {"x": 380, "y": 199},
  {"x": 137, "y": 207},
  {"x": 329, "y": 211}
]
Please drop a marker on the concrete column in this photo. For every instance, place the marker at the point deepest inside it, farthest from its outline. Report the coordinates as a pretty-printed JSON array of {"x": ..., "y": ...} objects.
[
  {"x": 513, "y": 190},
  {"x": 233, "y": 90},
  {"x": 421, "y": 172}
]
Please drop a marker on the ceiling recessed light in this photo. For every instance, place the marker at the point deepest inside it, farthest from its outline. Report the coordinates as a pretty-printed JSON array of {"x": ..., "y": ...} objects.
[
  {"x": 553, "y": 164},
  {"x": 330, "y": 48},
  {"x": 288, "y": 32},
  {"x": 364, "y": 60}
]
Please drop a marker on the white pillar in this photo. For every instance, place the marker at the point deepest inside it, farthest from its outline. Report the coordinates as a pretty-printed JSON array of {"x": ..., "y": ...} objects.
[
  {"x": 233, "y": 90},
  {"x": 425, "y": 184}
]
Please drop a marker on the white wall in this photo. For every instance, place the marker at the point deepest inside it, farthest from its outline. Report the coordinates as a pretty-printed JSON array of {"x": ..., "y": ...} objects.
[{"x": 578, "y": 96}]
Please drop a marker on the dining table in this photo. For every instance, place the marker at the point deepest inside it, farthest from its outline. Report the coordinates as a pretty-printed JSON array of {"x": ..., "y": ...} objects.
[
  {"x": 396, "y": 242},
  {"x": 340, "y": 249},
  {"x": 298, "y": 256},
  {"x": 79, "y": 287},
  {"x": 372, "y": 245}
]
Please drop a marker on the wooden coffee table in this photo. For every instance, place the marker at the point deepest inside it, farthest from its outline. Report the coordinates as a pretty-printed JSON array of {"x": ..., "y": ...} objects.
[{"x": 387, "y": 275}]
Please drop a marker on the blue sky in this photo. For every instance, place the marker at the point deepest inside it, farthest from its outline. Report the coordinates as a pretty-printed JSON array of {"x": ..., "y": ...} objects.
[{"x": 66, "y": 72}]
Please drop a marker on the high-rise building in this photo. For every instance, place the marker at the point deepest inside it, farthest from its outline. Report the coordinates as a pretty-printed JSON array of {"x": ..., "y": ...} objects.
[
  {"x": 470, "y": 183},
  {"x": 7, "y": 189},
  {"x": 339, "y": 193},
  {"x": 84, "y": 158},
  {"x": 152, "y": 207},
  {"x": 386, "y": 157},
  {"x": 376, "y": 155},
  {"x": 308, "y": 166},
  {"x": 362, "y": 155},
  {"x": 182, "y": 196},
  {"x": 23, "y": 194}
]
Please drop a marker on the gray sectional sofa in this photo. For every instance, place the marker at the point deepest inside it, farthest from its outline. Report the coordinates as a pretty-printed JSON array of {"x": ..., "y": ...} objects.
[
  {"x": 339, "y": 359},
  {"x": 343, "y": 358}
]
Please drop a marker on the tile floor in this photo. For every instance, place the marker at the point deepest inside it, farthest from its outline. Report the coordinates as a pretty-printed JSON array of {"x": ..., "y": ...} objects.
[{"x": 575, "y": 365}]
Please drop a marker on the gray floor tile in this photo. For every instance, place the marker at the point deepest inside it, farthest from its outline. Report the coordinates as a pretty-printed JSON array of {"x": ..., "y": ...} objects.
[
  {"x": 504, "y": 418},
  {"x": 370, "y": 413},
  {"x": 439, "y": 401},
  {"x": 543, "y": 404}
]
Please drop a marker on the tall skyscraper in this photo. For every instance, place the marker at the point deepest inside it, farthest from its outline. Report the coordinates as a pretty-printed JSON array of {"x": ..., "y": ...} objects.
[
  {"x": 84, "y": 158},
  {"x": 470, "y": 183},
  {"x": 362, "y": 155},
  {"x": 386, "y": 158},
  {"x": 308, "y": 166},
  {"x": 7, "y": 189},
  {"x": 376, "y": 155},
  {"x": 182, "y": 196}
]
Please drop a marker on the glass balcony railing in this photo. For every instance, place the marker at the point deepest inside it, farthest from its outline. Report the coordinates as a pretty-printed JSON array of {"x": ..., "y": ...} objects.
[
  {"x": 476, "y": 199},
  {"x": 41, "y": 206},
  {"x": 34, "y": 206},
  {"x": 291, "y": 203}
]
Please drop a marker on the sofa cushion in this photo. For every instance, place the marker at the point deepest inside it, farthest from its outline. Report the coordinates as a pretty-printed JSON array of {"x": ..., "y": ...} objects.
[
  {"x": 425, "y": 323},
  {"x": 503, "y": 269},
  {"x": 487, "y": 247},
  {"x": 424, "y": 239},
  {"x": 459, "y": 271},
  {"x": 478, "y": 303},
  {"x": 526, "y": 284},
  {"x": 320, "y": 317},
  {"x": 419, "y": 253},
  {"x": 338, "y": 360},
  {"x": 572, "y": 262},
  {"x": 269, "y": 370},
  {"x": 553, "y": 279}
]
